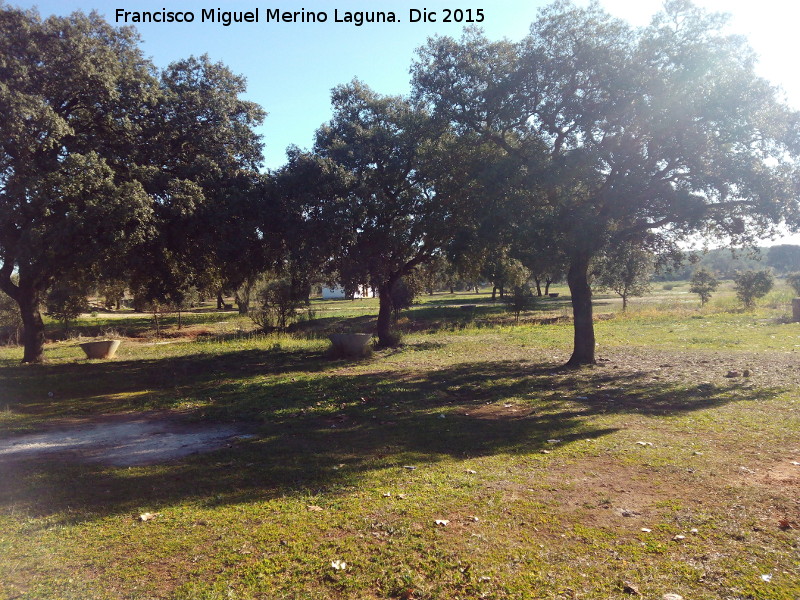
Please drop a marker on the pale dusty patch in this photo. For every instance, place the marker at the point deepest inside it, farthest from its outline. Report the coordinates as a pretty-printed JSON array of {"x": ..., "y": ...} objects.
[{"x": 122, "y": 441}]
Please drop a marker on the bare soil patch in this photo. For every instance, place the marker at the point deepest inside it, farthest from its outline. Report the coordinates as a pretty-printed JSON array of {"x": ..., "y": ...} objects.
[{"x": 121, "y": 440}]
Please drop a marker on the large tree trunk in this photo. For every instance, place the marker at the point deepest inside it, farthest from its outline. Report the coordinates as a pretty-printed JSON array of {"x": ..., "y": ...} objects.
[
  {"x": 581, "y": 292},
  {"x": 33, "y": 327},
  {"x": 385, "y": 314}
]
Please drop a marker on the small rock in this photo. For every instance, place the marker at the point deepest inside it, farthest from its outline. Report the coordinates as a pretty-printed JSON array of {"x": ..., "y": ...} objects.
[
  {"x": 553, "y": 441},
  {"x": 732, "y": 374},
  {"x": 339, "y": 565},
  {"x": 679, "y": 538},
  {"x": 697, "y": 453},
  {"x": 646, "y": 530},
  {"x": 694, "y": 531},
  {"x": 387, "y": 495},
  {"x": 644, "y": 443},
  {"x": 767, "y": 577},
  {"x": 471, "y": 472},
  {"x": 671, "y": 596},
  {"x": 147, "y": 516},
  {"x": 629, "y": 588},
  {"x": 409, "y": 467},
  {"x": 442, "y": 522}
]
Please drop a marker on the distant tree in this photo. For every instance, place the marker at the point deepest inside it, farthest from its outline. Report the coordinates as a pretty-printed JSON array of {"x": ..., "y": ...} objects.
[
  {"x": 626, "y": 136},
  {"x": 784, "y": 258},
  {"x": 626, "y": 271},
  {"x": 278, "y": 301},
  {"x": 793, "y": 281},
  {"x": 751, "y": 285},
  {"x": 10, "y": 320},
  {"x": 65, "y": 303},
  {"x": 519, "y": 300},
  {"x": 392, "y": 210},
  {"x": 703, "y": 284}
]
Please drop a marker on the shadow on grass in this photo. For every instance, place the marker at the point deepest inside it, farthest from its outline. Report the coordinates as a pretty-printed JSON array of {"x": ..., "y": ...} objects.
[{"x": 324, "y": 433}]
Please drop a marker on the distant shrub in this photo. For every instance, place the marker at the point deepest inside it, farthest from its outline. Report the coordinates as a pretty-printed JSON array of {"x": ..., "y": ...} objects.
[
  {"x": 668, "y": 286},
  {"x": 66, "y": 303},
  {"x": 751, "y": 285},
  {"x": 278, "y": 304},
  {"x": 793, "y": 281},
  {"x": 10, "y": 320},
  {"x": 703, "y": 284},
  {"x": 520, "y": 299}
]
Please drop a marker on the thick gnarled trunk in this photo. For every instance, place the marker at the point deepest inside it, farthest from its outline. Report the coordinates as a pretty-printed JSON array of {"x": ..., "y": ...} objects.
[
  {"x": 581, "y": 292},
  {"x": 33, "y": 327}
]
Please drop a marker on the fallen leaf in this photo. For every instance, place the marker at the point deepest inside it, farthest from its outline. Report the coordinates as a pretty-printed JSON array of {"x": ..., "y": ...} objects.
[
  {"x": 645, "y": 443},
  {"x": 401, "y": 496},
  {"x": 314, "y": 508},
  {"x": 387, "y": 495},
  {"x": 767, "y": 577}
]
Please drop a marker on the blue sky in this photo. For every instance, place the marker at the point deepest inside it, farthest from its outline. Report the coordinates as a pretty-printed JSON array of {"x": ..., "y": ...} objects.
[{"x": 291, "y": 67}]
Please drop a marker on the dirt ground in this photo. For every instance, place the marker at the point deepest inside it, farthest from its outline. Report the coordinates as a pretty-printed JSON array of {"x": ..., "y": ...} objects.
[{"x": 122, "y": 440}]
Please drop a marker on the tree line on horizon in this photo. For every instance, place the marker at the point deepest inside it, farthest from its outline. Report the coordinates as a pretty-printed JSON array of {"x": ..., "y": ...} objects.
[{"x": 587, "y": 141}]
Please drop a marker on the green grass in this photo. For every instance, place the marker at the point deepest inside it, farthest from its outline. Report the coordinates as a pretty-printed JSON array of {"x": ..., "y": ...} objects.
[{"x": 471, "y": 401}]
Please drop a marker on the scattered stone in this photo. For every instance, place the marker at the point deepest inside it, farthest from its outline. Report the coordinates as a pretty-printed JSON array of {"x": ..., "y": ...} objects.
[
  {"x": 767, "y": 577},
  {"x": 442, "y": 522},
  {"x": 694, "y": 531},
  {"x": 671, "y": 596},
  {"x": 553, "y": 441},
  {"x": 471, "y": 472},
  {"x": 646, "y": 530},
  {"x": 147, "y": 516},
  {"x": 387, "y": 495},
  {"x": 409, "y": 467},
  {"x": 629, "y": 588},
  {"x": 339, "y": 565},
  {"x": 626, "y": 512},
  {"x": 545, "y": 451},
  {"x": 679, "y": 538},
  {"x": 732, "y": 374},
  {"x": 644, "y": 443},
  {"x": 697, "y": 453}
]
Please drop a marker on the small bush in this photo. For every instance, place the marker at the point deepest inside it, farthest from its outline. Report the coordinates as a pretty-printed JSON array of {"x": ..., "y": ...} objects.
[
  {"x": 66, "y": 303},
  {"x": 278, "y": 304},
  {"x": 793, "y": 281},
  {"x": 520, "y": 299},
  {"x": 751, "y": 285},
  {"x": 668, "y": 287}
]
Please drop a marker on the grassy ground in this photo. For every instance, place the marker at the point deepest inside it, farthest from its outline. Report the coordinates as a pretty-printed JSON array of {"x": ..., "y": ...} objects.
[{"x": 552, "y": 483}]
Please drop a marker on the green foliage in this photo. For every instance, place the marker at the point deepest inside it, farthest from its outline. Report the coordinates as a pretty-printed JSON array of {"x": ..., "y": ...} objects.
[
  {"x": 279, "y": 302},
  {"x": 751, "y": 285},
  {"x": 65, "y": 303},
  {"x": 10, "y": 320},
  {"x": 519, "y": 300},
  {"x": 626, "y": 270},
  {"x": 793, "y": 281},
  {"x": 403, "y": 293},
  {"x": 703, "y": 284}
]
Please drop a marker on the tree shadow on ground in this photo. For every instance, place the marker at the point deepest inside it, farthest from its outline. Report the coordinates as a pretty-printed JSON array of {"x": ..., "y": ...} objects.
[{"x": 324, "y": 434}]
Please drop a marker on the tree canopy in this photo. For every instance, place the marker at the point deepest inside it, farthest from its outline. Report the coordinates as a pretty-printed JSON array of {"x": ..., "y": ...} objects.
[{"x": 627, "y": 136}]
